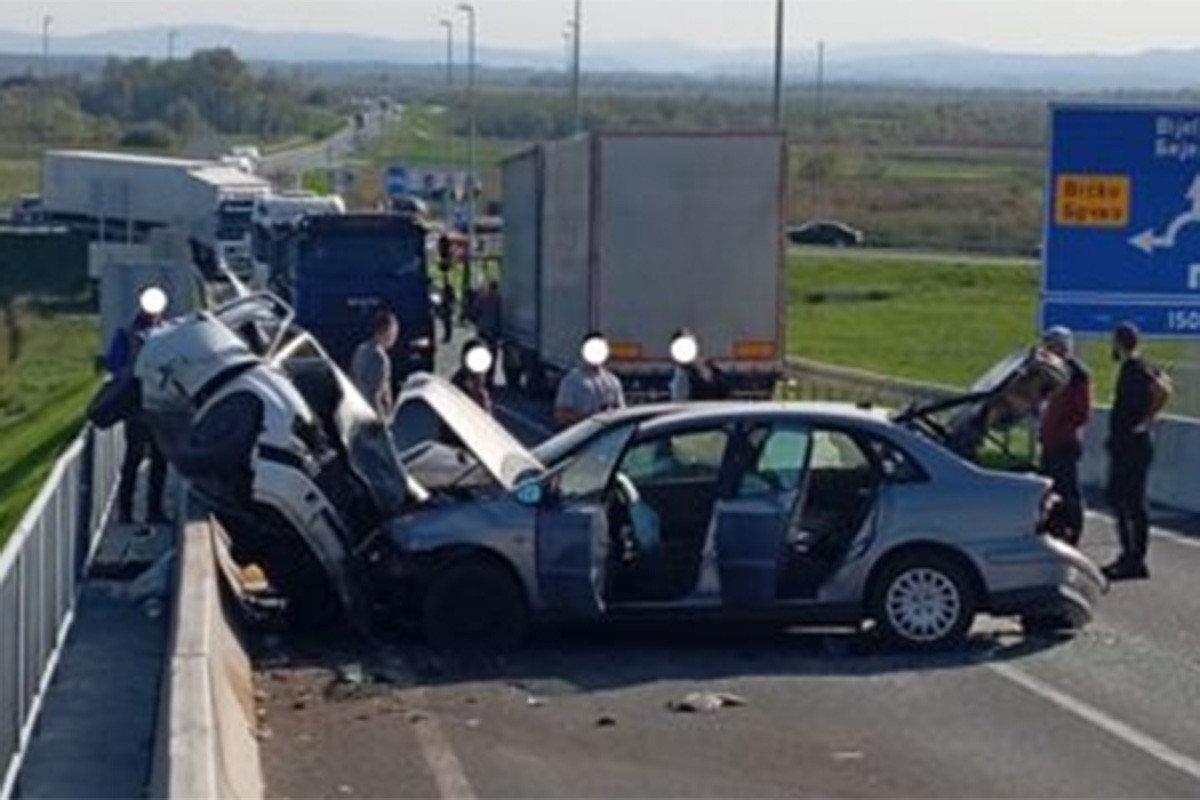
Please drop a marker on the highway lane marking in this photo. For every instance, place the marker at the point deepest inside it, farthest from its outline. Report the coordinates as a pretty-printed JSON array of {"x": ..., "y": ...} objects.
[
  {"x": 448, "y": 774},
  {"x": 1106, "y": 722},
  {"x": 1162, "y": 533}
]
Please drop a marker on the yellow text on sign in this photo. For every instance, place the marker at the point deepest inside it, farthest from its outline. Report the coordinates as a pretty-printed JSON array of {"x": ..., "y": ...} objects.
[{"x": 1091, "y": 201}]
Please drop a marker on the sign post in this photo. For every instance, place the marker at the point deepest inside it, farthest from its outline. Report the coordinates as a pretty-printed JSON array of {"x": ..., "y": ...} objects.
[{"x": 1123, "y": 220}]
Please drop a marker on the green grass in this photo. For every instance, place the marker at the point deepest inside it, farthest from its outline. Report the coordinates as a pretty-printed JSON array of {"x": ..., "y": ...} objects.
[
  {"x": 43, "y": 399},
  {"x": 942, "y": 323},
  {"x": 903, "y": 169},
  {"x": 18, "y": 176}
]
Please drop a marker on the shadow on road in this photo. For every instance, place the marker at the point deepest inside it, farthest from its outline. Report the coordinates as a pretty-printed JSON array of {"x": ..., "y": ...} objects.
[{"x": 580, "y": 658}]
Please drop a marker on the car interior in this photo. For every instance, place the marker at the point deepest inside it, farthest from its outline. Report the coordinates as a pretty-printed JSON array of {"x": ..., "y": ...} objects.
[
  {"x": 660, "y": 506},
  {"x": 841, "y": 486}
]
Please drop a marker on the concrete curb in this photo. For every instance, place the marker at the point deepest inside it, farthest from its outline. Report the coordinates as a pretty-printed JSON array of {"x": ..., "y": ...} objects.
[{"x": 207, "y": 745}]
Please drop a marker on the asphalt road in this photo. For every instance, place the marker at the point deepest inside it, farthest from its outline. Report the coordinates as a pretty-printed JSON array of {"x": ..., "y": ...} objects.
[
  {"x": 294, "y": 163},
  {"x": 582, "y": 712}
]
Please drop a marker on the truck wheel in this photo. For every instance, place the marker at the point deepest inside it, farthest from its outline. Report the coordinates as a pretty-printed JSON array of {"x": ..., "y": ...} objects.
[
  {"x": 474, "y": 605},
  {"x": 923, "y": 601}
]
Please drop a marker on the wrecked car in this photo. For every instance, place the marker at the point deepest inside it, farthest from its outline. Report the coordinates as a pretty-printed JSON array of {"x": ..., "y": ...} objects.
[{"x": 794, "y": 512}]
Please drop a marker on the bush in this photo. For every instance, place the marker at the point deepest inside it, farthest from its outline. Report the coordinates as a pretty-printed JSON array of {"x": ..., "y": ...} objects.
[{"x": 150, "y": 135}]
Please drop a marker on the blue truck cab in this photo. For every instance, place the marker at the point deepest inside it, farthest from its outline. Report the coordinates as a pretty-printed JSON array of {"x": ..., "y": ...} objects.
[{"x": 339, "y": 270}]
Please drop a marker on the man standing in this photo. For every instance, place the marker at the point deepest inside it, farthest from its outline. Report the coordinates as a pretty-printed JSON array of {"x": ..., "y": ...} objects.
[
  {"x": 1064, "y": 420},
  {"x": 589, "y": 388},
  {"x": 446, "y": 310},
  {"x": 487, "y": 322},
  {"x": 475, "y": 361},
  {"x": 139, "y": 441},
  {"x": 1140, "y": 394},
  {"x": 371, "y": 367}
]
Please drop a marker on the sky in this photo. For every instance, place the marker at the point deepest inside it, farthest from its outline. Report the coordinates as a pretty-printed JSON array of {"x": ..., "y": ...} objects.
[{"x": 1043, "y": 26}]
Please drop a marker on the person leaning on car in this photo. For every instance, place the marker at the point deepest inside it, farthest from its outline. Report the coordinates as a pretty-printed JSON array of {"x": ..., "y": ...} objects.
[
  {"x": 1064, "y": 420},
  {"x": 371, "y": 367}
]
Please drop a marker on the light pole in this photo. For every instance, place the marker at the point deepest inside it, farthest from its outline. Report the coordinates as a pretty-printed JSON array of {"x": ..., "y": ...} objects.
[
  {"x": 448, "y": 170},
  {"x": 576, "y": 46},
  {"x": 568, "y": 35},
  {"x": 818, "y": 166},
  {"x": 469, "y": 10},
  {"x": 172, "y": 35},
  {"x": 777, "y": 105},
  {"x": 47, "y": 21}
]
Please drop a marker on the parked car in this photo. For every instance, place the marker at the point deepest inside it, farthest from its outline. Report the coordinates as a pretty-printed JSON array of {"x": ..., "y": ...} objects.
[
  {"x": 827, "y": 233},
  {"x": 801, "y": 513}
]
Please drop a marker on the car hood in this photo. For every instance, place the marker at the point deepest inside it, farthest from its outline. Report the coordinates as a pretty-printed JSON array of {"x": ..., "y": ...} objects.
[{"x": 429, "y": 406}]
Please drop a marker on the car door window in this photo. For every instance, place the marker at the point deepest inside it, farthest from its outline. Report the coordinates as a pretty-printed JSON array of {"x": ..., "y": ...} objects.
[
  {"x": 693, "y": 456},
  {"x": 842, "y": 479},
  {"x": 776, "y": 461},
  {"x": 586, "y": 475}
]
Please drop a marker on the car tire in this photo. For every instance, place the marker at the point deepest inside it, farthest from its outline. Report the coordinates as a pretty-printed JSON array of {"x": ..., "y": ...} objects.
[
  {"x": 474, "y": 606},
  {"x": 924, "y": 601}
]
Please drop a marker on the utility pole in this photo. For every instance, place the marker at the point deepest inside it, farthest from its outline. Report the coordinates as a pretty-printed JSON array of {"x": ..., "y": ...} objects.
[
  {"x": 47, "y": 21},
  {"x": 576, "y": 48},
  {"x": 819, "y": 131},
  {"x": 777, "y": 104},
  {"x": 448, "y": 170},
  {"x": 568, "y": 35},
  {"x": 172, "y": 35},
  {"x": 469, "y": 10}
]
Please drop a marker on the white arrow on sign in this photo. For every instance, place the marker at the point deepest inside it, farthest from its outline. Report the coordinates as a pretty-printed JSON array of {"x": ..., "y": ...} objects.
[{"x": 1148, "y": 241}]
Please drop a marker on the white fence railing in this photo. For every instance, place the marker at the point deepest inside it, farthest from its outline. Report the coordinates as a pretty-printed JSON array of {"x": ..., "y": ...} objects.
[{"x": 41, "y": 571}]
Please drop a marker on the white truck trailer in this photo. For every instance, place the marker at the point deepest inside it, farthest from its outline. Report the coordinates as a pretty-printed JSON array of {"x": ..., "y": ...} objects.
[
  {"x": 638, "y": 235},
  {"x": 118, "y": 196}
]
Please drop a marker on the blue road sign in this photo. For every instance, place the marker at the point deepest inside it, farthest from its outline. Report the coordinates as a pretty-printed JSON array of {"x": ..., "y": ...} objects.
[{"x": 1123, "y": 219}]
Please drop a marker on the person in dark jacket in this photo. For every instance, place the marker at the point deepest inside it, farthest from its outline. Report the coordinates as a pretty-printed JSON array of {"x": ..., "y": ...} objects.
[
  {"x": 445, "y": 310},
  {"x": 139, "y": 441},
  {"x": 1064, "y": 421},
  {"x": 1131, "y": 452},
  {"x": 475, "y": 362},
  {"x": 488, "y": 322}
]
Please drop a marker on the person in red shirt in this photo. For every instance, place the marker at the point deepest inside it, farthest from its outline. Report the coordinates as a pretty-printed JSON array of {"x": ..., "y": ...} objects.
[{"x": 1064, "y": 420}]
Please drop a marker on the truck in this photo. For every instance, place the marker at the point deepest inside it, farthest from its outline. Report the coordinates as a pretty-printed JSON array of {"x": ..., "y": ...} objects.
[
  {"x": 638, "y": 235},
  {"x": 275, "y": 217},
  {"x": 338, "y": 270},
  {"x": 121, "y": 196}
]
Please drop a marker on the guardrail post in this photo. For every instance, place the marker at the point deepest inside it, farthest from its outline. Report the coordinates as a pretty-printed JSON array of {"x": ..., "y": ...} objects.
[{"x": 87, "y": 473}]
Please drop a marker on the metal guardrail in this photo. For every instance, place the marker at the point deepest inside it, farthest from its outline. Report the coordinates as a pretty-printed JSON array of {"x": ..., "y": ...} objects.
[
  {"x": 813, "y": 380},
  {"x": 41, "y": 572}
]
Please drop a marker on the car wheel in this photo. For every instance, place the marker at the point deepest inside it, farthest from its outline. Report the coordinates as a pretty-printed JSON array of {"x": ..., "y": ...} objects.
[
  {"x": 924, "y": 601},
  {"x": 474, "y": 606}
]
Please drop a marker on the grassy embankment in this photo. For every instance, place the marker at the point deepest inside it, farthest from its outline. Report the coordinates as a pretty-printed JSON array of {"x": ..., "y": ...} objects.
[
  {"x": 940, "y": 322},
  {"x": 43, "y": 397}
]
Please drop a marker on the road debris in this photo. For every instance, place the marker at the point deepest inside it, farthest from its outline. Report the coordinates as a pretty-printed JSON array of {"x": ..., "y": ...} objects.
[
  {"x": 705, "y": 702},
  {"x": 606, "y": 721}
]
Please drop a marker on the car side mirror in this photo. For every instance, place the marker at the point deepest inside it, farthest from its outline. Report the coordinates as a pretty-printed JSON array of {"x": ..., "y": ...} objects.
[{"x": 531, "y": 494}]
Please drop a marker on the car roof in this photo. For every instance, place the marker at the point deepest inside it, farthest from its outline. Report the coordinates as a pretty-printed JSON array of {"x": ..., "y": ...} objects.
[{"x": 816, "y": 412}]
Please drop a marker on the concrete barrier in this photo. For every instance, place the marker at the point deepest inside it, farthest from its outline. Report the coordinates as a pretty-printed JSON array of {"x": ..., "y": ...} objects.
[
  {"x": 207, "y": 742},
  {"x": 1175, "y": 475}
]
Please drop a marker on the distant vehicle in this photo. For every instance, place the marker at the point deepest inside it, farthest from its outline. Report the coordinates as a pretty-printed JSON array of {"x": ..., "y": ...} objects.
[
  {"x": 409, "y": 204},
  {"x": 826, "y": 233},
  {"x": 638, "y": 235},
  {"x": 790, "y": 512}
]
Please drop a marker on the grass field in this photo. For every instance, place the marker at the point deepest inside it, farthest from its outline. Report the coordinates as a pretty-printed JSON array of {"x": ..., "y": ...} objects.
[
  {"x": 940, "y": 322},
  {"x": 43, "y": 397},
  {"x": 18, "y": 176}
]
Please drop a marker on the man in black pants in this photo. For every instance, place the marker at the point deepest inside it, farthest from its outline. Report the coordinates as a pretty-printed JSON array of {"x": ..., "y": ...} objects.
[
  {"x": 139, "y": 441},
  {"x": 1131, "y": 451}
]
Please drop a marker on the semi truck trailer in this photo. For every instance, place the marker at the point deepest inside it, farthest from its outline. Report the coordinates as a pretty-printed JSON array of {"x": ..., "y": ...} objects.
[{"x": 638, "y": 235}]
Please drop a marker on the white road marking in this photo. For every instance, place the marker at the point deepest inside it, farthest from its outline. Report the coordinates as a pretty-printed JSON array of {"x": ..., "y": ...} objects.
[
  {"x": 448, "y": 773},
  {"x": 1106, "y": 722},
  {"x": 1161, "y": 533}
]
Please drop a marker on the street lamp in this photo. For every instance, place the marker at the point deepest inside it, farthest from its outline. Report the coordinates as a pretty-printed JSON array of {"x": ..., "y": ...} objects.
[
  {"x": 777, "y": 106},
  {"x": 172, "y": 35},
  {"x": 469, "y": 10},
  {"x": 576, "y": 96},
  {"x": 449, "y": 168},
  {"x": 47, "y": 21}
]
